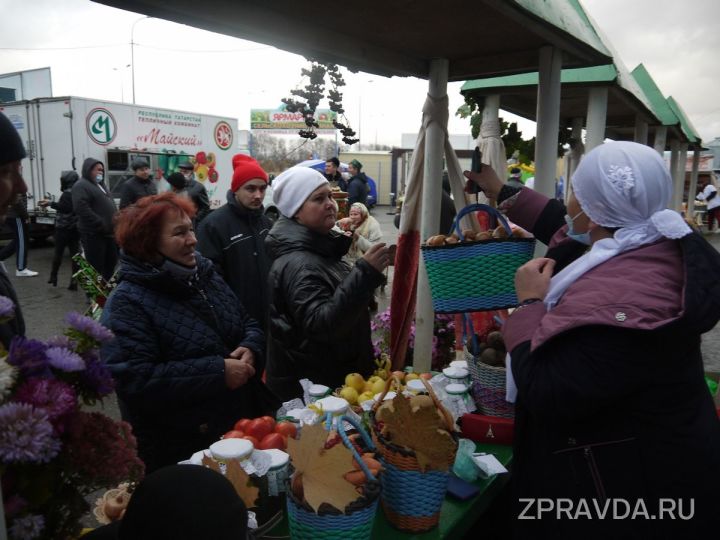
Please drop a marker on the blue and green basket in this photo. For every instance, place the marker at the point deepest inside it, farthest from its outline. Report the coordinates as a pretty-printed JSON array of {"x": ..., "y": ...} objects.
[
  {"x": 356, "y": 522},
  {"x": 476, "y": 276}
]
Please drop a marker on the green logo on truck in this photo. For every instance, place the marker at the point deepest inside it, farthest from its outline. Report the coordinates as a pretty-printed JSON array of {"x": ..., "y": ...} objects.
[{"x": 101, "y": 126}]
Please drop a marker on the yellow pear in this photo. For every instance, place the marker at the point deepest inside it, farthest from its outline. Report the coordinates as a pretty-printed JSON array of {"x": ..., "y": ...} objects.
[
  {"x": 356, "y": 381},
  {"x": 378, "y": 386},
  {"x": 411, "y": 376},
  {"x": 365, "y": 396},
  {"x": 349, "y": 394}
]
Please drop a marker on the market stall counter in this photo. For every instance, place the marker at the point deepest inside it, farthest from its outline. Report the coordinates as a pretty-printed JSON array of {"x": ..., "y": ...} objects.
[{"x": 456, "y": 516}]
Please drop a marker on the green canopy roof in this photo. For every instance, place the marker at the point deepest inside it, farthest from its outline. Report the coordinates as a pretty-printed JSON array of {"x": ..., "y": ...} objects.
[
  {"x": 687, "y": 127},
  {"x": 658, "y": 103}
]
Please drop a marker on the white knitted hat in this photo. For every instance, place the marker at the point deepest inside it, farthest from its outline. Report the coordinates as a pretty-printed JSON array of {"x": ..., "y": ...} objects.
[{"x": 292, "y": 188}]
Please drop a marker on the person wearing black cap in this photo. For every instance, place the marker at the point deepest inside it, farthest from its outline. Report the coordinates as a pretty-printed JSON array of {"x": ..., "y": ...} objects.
[
  {"x": 12, "y": 185},
  {"x": 139, "y": 186},
  {"x": 95, "y": 209},
  {"x": 196, "y": 191}
]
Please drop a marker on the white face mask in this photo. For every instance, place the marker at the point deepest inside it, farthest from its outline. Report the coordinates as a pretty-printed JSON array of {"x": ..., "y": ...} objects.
[
  {"x": 583, "y": 238},
  {"x": 99, "y": 178}
]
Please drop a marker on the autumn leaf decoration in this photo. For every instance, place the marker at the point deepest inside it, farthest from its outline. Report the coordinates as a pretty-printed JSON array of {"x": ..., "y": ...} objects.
[
  {"x": 238, "y": 478},
  {"x": 415, "y": 423},
  {"x": 321, "y": 471}
]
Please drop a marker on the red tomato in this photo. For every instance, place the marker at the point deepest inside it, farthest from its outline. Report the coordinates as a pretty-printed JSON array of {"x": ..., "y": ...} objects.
[
  {"x": 234, "y": 434},
  {"x": 242, "y": 424},
  {"x": 270, "y": 421},
  {"x": 252, "y": 439},
  {"x": 258, "y": 428},
  {"x": 273, "y": 440},
  {"x": 286, "y": 429}
]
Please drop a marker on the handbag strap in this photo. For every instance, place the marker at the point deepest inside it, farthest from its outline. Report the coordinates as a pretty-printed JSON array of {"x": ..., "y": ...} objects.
[{"x": 493, "y": 212}]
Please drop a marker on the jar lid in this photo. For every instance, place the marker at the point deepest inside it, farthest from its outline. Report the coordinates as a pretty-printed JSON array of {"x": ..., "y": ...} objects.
[
  {"x": 389, "y": 395},
  {"x": 459, "y": 364},
  {"x": 416, "y": 385},
  {"x": 455, "y": 372},
  {"x": 332, "y": 404},
  {"x": 231, "y": 449},
  {"x": 278, "y": 458},
  {"x": 318, "y": 390},
  {"x": 456, "y": 389}
]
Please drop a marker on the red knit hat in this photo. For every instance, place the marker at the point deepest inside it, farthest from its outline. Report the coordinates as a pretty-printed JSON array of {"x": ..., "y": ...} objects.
[{"x": 245, "y": 169}]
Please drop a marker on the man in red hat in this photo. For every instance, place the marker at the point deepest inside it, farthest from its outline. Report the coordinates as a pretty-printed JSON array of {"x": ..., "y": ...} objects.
[{"x": 233, "y": 237}]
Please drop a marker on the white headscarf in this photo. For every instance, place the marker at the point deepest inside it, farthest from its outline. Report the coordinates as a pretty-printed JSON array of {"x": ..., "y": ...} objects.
[{"x": 622, "y": 185}]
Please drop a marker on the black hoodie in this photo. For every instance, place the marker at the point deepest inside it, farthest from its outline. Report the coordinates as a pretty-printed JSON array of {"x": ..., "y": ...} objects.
[{"x": 93, "y": 203}]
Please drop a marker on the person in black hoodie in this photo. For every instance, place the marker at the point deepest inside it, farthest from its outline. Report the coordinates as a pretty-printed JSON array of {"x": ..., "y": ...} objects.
[
  {"x": 196, "y": 191},
  {"x": 319, "y": 305},
  {"x": 139, "y": 186},
  {"x": 357, "y": 187},
  {"x": 233, "y": 237},
  {"x": 95, "y": 209},
  {"x": 66, "y": 233},
  {"x": 12, "y": 185}
]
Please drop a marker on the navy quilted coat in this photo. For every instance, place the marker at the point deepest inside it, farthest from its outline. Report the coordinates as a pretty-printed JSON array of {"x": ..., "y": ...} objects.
[{"x": 167, "y": 358}]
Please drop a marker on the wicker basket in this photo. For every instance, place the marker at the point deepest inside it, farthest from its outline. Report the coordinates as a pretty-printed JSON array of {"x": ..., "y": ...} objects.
[
  {"x": 411, "y": 498},
  {"x": 476, "y": 276},
  {"x": 356, "y": 522},
  {"x": 489, "y": 388}
]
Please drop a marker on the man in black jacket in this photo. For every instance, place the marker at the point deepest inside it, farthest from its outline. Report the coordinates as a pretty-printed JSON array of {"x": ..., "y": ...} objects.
[
  {"x": 139, "y": 186},
  {"x": 196, "y": 191},
  {"x": 333, "y": 175},
  {"x": 95, "y": 209},
  {"x": 18, "y": 219},
  {"x": 12, "y": 184},
  {"x": 233, "y": 237},
  {"x": 358, "y": 187}
]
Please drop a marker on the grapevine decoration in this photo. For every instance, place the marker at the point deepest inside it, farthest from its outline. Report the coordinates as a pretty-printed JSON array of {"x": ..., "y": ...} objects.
[{"x": 306, "y": 100}]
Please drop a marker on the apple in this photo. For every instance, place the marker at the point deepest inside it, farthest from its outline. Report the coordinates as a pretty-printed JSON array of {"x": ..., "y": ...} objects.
[
  {"x": 356, "y": 381},
  {"x": 349, "y": 394},
  {"x": 411, "y": 376},
  {"x": 398, "y": 375},
  {"x": 426, "y": 376},
  {"x": 201, "y": 158}
]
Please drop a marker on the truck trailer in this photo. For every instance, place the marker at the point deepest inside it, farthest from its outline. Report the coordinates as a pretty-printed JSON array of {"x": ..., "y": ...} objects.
[{"x": 61, "y": 132}]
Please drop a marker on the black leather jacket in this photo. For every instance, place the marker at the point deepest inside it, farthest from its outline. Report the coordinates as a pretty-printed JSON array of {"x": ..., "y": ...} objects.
[{"x": 319, "y": 317}]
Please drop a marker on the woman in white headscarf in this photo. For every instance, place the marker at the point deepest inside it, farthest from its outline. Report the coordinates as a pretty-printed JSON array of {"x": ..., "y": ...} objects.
[
  {"x": 611, "y": 401},
  {"x": 319, "y": 305},
  {"x": 365, "y": 231}
]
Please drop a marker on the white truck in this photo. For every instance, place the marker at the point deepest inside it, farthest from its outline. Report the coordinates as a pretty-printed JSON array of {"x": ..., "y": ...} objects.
[{"x": 61, "y": 132}]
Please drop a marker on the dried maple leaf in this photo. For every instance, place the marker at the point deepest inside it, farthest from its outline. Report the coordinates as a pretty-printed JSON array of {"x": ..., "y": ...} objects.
[
  {"x": 238, "y": 478},
  {"x": 422, "y": 431},
  {"x": 322, "y": 470}
]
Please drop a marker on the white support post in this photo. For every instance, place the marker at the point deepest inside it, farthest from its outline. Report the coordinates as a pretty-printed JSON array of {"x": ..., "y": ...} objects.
[
  {"x": 660, "y": 139},
  {"x": 693, "y": 184},
  {"x": 596, "y": 118},
  {"x": 430, "y": 221},
  {"x": 680, "y": 183},
  {"x": 573, "y": 157},
  {"x": 548, "y": 120},
  {"x": 641, "y": 130}
]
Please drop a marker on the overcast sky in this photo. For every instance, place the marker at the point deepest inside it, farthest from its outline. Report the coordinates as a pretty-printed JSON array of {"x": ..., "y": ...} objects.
[{"x": 87, "y": 47}]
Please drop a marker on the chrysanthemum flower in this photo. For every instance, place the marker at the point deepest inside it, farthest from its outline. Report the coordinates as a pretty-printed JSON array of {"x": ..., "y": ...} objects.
[{"x": 26, "y": 435}]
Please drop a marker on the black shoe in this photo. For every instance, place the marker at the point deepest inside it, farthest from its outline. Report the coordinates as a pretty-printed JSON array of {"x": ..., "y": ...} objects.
[
  {"x": 53, "y": 280},
  {"x": 72, "y": 286}
]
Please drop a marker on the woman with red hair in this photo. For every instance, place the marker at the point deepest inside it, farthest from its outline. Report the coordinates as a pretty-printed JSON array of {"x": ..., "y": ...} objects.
[{"x": 186, "y": 357}]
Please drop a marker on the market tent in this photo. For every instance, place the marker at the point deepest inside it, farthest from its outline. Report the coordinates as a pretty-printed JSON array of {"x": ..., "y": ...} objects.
[{"x": 469, "y": 40}]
